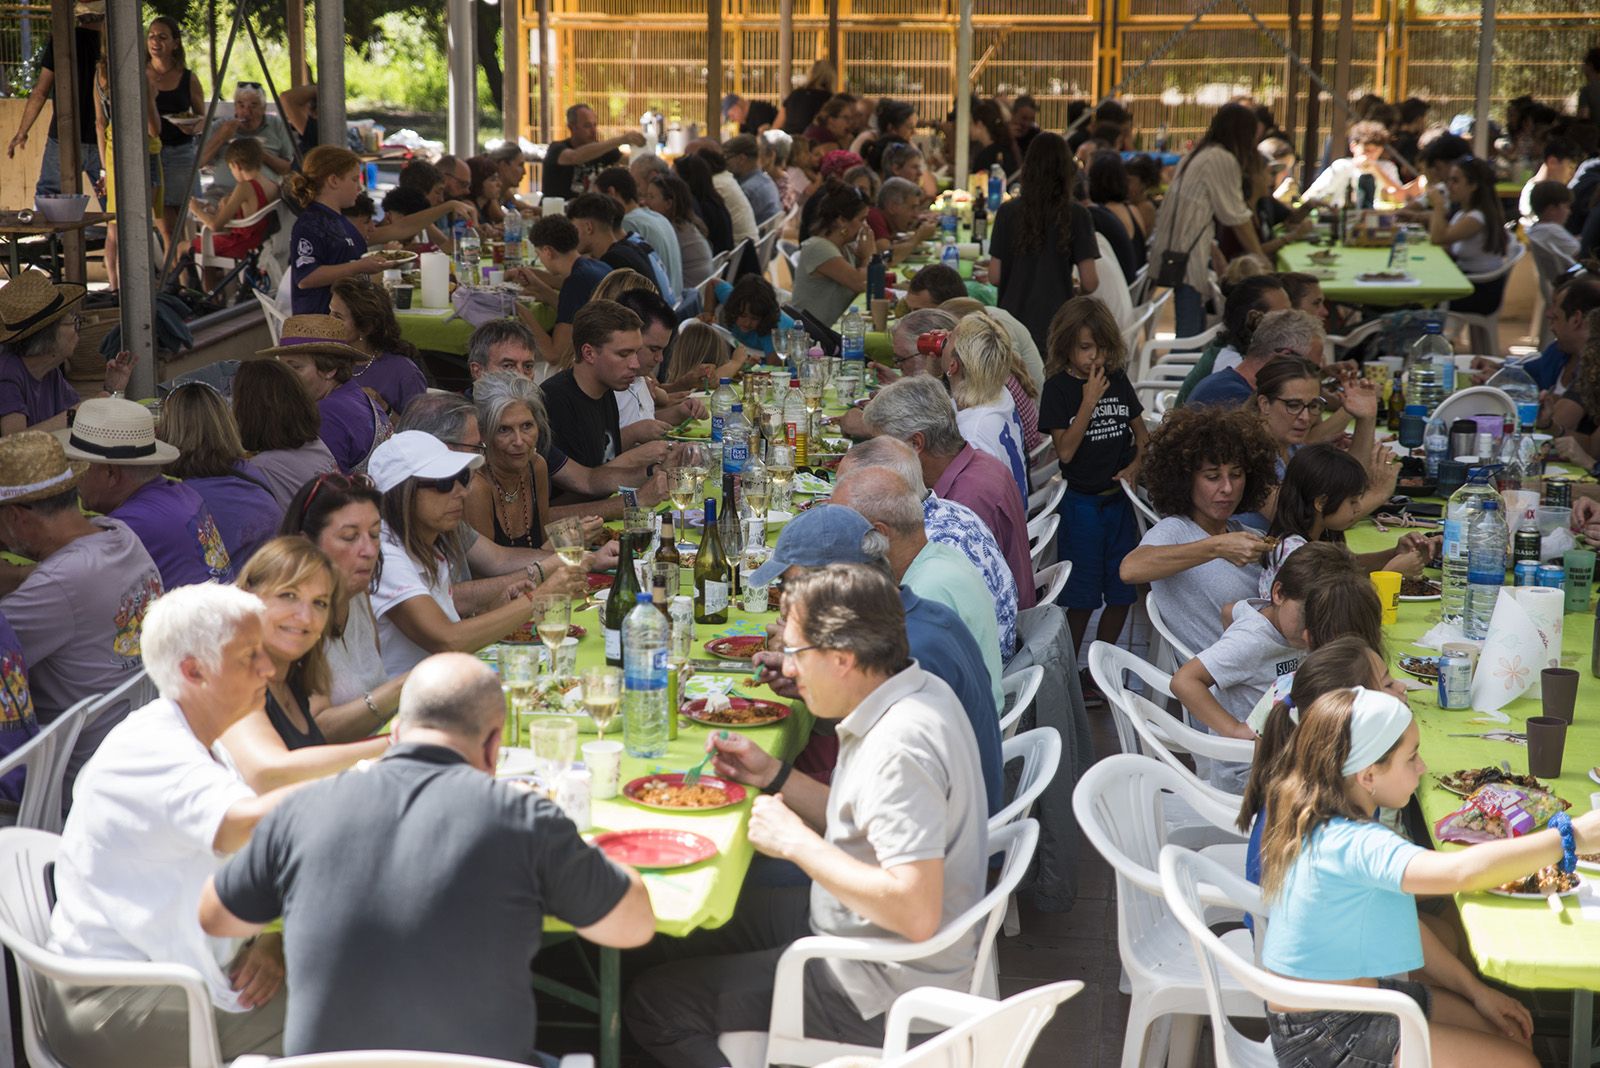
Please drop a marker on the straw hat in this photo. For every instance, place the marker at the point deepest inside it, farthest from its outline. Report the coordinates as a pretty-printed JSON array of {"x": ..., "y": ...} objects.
[
  {"x": 89, "y": 9},
  {"x": 33, "y": 467},
  {"x": 315, "y": 335},
  {"x": 110, "y": 430},
  {"x": 31, "y": 302}
]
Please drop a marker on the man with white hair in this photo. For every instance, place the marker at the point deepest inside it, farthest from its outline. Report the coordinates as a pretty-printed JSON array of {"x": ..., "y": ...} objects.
[
  {"x": 155, "y": 812},
  {"x": 1280, "y": 333},
  {"x": 380, "y": 912},
  {"x": 950, "y": 524},
  {"x": 250, "y": 119}
]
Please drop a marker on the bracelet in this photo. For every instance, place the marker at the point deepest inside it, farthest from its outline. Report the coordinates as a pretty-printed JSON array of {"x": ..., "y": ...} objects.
[
  {"x": 372, "y": 706},
  {"x": 536, "y": 566},
  {"x": 782, "y": 777},
  {"x": 1561, "y": 823}
]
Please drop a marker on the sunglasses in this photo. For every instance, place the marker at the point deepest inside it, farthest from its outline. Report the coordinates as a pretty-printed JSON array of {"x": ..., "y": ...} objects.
[
  {"x": 341, "y": 483},
  {"x": 445, "y": 485}
]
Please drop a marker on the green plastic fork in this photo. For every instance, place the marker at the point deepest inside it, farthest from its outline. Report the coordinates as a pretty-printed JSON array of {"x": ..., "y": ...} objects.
[{"x": 692, "y": 776}]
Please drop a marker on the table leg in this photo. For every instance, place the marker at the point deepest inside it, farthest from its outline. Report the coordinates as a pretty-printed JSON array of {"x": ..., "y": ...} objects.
[
  {"x": 1582, "y": 1051},
  {"x": 611, "y": 1009}
]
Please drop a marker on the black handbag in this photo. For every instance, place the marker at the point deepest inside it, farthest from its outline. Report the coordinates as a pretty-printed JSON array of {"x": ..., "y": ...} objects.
[{"x": 1174, "y": 265}]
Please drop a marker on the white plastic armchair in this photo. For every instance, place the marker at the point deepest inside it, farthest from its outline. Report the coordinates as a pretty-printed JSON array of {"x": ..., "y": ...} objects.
[
  {"x": 1151, "y": 351},
  {"x": 1042, "y": 539},
  {"x": 1020, "y": 689},
  {"x": 786, "y": 1041},
  {"x": 1046, "y": 498},
  {"x": 1040, "y": 753},
  {"x": 1189, "y": 882},
  {"x": 982, "y": 1033},
  {"x": 45, "y": 757},
  {"x": 275, "y": 315},
  {"x": 1048, "y": 582},
  {"x": 25, "y": 929},
  {"x": 1483, "y": 327},
  {"x": 396, "y": 1058}
]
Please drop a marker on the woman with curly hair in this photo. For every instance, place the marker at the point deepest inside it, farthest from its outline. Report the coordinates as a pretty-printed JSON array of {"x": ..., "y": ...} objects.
[
  {"x": 1202, "y": 466},
  {"x": 391, "y": 371}
]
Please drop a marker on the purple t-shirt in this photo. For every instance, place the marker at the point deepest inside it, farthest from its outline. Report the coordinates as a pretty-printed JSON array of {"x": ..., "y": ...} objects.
[
  {"x": 17, "y": 721},
  {"x": 37, "y": 398},
  {"x": 393, "y": 377},
  {"x": 179, "y": 533},
  {"x": 322, "y": 238},
  {"x": 245, "y": 510},
  {"x": 349, "y": 425}
]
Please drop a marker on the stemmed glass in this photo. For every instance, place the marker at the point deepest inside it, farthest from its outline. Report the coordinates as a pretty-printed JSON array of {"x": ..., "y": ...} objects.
[
  {"x": 780, "y": 468},
  {"x": 568, "y": 538},
  {"x": 813, "y": 381},
  {"x": 552, "y": 620},
  {"x": 602, "y": 693},
  {"x": 555, "y": 747},
  {"x": 757, "y": 487},
  {"x": 519, "y": 669},
  {"x": 683, "y": 484}
]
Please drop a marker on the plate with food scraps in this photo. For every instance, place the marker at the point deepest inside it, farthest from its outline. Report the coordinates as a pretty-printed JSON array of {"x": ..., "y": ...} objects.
[
  {"x": 1541, "y": 884},
  {"x": 1466, "y": 780},
  {"x": 656, "y": 849},
  {"x": 739, "y": 712},
  {"x": 1420, "y": 590},
  {"x": 1385, "y": 277},
  {"x": 1422, "y": 667},
  {"x": 395, "y": 257},
  {"x": 525, "y": 635},
  {"x": 736, "y": 646},
  {"x": 668, "y": 793},
  {"x": 1589, "y": 861}
]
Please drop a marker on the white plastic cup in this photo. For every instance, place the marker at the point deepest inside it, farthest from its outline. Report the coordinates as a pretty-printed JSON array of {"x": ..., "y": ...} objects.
[
  {"x": 604, "y": 761},
  {"x": 572, "y": 794}
]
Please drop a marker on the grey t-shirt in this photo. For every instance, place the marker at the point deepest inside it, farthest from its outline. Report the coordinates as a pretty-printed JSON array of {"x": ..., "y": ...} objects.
[
  {"x": 274, "y": 137},
  {"x": 414, "y": 926},
  {"x": 286, "y": 470},
  {"x": 908, "y": 786},
  {"x": 815, "y": 293},
  {"x": 1191, "y": 601},
  {"x": 1250, "y": 656}
]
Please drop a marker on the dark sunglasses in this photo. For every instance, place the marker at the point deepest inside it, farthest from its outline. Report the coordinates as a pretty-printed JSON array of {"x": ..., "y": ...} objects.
[
  {"x": 340, "y": 482},
  {"x": 445, "y": 485}
]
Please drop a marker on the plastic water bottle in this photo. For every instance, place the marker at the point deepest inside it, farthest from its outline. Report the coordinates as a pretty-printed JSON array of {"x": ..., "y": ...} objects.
[
  {"x": 735, "y": 441},
  {"x": 853, "y": 331},
  {"x": 469, "y": 255},
  {"x": 950, "y": 255},
  {"x": 721, "y": 404},
  {"x": 1523, "y": 391},
  {"x": 512, "y": 231},
  {"x": 1460, "y": 513},
  {"x": 1433, "y": 349},
  {"x": 997, "y": 186},
  {"x": 1436, "y": 446},
  {"x": 1486, "y": 566},
  {"x": 1399, "y": 256},
  {"x": 947, "y": 221},
  {"x": 645, "y": 637},
  {"x": 796, "y": 424}
]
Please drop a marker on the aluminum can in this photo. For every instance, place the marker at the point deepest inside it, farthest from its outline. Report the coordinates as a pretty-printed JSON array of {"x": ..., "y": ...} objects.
[
  {"x": 1455, "y": 681},
  {"x": 1552, "y": 575},
  {"x": 1557, "y": 493},
  {"x": 1527, "y": 573}
]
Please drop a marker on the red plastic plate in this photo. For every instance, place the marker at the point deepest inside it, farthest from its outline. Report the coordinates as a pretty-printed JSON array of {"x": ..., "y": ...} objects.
[{"x": 656, "y": 848}]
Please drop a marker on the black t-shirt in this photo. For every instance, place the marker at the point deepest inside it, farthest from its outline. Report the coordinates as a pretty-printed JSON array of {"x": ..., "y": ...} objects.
[
  {"x": 625, "y": 253},
  {"x": 88, "y": 56},
  {"x": 566, "y": 182},
  {"x": 1025, "y": 140},
  {"x": 990, "y": 154},
  {"x": 1108, "y": 444},
  {"x": 1035, "y": 283},
  {"x": 800, "y": 108},
  {"x": 586, "y": 429},
  {"x": 414, "y": 926},
  {"x": 759, "y": 114}
]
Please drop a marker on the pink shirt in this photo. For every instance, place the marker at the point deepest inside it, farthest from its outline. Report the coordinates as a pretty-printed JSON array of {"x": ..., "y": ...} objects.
[{"x": 983, "y": 484}]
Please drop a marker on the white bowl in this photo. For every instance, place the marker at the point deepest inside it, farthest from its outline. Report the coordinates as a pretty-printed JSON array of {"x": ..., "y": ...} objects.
[
  {"x": 1476, "y": 400},
  {"x": 62, "y": 207}
]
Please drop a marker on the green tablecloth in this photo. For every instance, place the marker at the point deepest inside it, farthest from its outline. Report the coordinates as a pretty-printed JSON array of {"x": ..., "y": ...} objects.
[
  {"x": 1437, "y": 276},
  {"x": 433, "y": 329}
]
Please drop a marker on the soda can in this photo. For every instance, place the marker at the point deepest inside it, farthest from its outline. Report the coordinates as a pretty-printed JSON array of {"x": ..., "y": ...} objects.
[
  {"x": 1557, "y": 493},
  {"x": 1527, "y": 573},
  {"x": 1455, "y": 681},
  {"x": 1552, "y": 575}
]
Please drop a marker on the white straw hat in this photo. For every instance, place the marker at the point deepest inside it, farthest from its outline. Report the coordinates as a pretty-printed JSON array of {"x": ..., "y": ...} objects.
[{"x": 110, "y": 430}]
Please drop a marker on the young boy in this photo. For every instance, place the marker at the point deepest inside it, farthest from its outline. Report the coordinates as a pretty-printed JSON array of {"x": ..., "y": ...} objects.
[
  {"x": 250, "y": 193},
  {"x": 1551, "y": 203}
]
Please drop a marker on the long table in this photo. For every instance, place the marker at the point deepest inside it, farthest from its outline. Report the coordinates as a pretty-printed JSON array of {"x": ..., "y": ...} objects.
[{"x": 1437, "y": 278}]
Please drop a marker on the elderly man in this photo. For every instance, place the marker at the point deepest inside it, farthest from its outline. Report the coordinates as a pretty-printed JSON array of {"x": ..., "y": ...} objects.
[
  {"x": 949, "y": 524},
  {"x": 456, "y": 176},
  {"x": 898, "y": 222},
  {"x": 250, "y": 119},
  {"x": 155, "y": 814},
  {"x": 116, "y": 438},
  {"x": 932, "y": 570},
  {"x": 443, "y": 859},
  {"x": 504, "y": 345},
  {"x": 917, "y": 411},
  {"x": 743, "y": 156},
  {"x": 618, "y": 183},
  {"x": 908, "y": 358},
  {"x": 896, "y": 846},
  {"x": 570, "y": 166},
  {"x": 1280, "y": 333},
  {"x": 77, "y": 614}
]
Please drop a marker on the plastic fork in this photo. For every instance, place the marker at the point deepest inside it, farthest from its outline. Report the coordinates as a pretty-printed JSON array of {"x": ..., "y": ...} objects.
[{"x": 692, "y": 776}]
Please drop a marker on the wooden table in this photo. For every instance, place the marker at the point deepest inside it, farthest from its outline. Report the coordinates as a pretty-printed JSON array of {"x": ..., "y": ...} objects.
[{"x": 13, "y": 233}]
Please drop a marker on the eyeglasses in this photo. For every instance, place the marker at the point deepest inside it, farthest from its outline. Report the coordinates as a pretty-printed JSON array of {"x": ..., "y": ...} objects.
[
  {"x": 1295, "y": 407},
  {"x": 74, "y": 321},
  {"x": 792, "y": 651},
  {"x": 342, "y": 483},
  {"x": 461, "y": 446},
  {"x": 445, "y": 485}
]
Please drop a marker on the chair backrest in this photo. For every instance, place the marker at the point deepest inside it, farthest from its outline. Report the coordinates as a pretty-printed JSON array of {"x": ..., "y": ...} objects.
[
  {"x": 730, "y": 270},
  {"x": 1144, "y": 516},
  {"x": 1179, "y": 650},
  {"x": 1050, "y": 581},
  {"x": 768, "y": 242},
  {"x": 1043, "y": 473},
  {"x": 981, "y": 1033},
  {"x": 1143, "y": 315},
  {"x": 1190, "y": 882},
  {"x": 136, "y": 692},
  {"x": 1046, "y": 498},
  {"x": 396, "y": 1058},
  {"x": 1041, "y": 452},
  {"x": 45, "y": 757},
  {"x": 1040, "y": 753},
  {"x": 1042, "y": 537},
  {"x": 1014, "y": 844},
  {"x": 1150, "y": 350},
  {"x": 1020, "y": 689},
  {"x": 1514, "y": 252},
  {"x": 275, "y": 318}
]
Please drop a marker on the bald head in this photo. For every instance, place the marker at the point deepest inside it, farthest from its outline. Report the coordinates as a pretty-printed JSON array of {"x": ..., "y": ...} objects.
[
  {"x": 889, "y": 453},
  {"x": 454, "y": 693},
  {"x": 883, "y": 499}
]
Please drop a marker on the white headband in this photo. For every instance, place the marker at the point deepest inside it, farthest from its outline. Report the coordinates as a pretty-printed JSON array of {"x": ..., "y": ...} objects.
[{"x": 1377, "y": 721}]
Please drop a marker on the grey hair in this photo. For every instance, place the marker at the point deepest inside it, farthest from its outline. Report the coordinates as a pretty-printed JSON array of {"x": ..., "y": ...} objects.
[
  {"x": 917, "y": 404},
  {"x": 882, "y": 496},
  {"x": 1282, "y": 332},
  {"x": 651, "y": 163},
  {"x": 443, "y": 415},
  {"x": 898, "y": 191},
  {"x": 889, "y": 453},
  {"x": 251, "y": 90},
  {"x": 193, "y": 623},
  {"x": 898, "y": 154},
  {"x": 780, "y": 144},
  {"x": 454, "y": 693},
  {"x": 919, "y": 322},
  {"x": 493, "y": 333},
  {"x": 875, "y": 547},
  {"x": 38, "y": 343},
  {"x": 496, "y": 391}
]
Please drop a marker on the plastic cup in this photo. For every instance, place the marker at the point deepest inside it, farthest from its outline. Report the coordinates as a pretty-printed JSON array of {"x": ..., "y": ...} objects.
[
  {"x": 402, "y": 296},
  {"x": 880, "y": 315},
  {"x": 1558, "y": 688},
  {"x": 1387, "y": 584},
  {"x": 1547, "y": 741},
  {"x": 604, "y": 761}
]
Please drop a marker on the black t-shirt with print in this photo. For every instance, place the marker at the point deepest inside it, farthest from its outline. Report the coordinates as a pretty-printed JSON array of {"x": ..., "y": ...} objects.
[
  {"x": 558, "y": 180},
  {"x": 586, "y": 429},
  {"x": 1108, "y": 444}
]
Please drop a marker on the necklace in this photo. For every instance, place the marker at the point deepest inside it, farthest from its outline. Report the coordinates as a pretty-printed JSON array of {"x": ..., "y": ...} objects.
[
  {"x": 508, "y": 496},
  {"x": 503, "y": 510}
]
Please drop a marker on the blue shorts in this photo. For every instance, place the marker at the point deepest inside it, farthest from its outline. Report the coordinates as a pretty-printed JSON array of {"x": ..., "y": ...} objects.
[{"x": 1097, "y": 531}]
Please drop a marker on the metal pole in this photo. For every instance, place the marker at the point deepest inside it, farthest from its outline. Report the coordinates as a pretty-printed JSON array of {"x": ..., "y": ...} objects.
[
  {"x": 1480, "y": 109},
  {"x": 135, "y": 237},
  {"x": 62, "y": 30},
  {"x": 295, "y": 27},
  {"x": 1312, "y": 155},
  {"x": 963, "y": 89},
  {"x": 544, "y": 70},
  {"x": 463, "y": 136},
  {"x": 1291, "y": 92},
  {"x": 513, "y": 68},
  {"x": 330, "y": 73},
  {"x": 785, "y": 49},
  {"x": 714, "y": 69},
  {"x": 1344, "y": 44},
  {"x": 833, "y": 40}
]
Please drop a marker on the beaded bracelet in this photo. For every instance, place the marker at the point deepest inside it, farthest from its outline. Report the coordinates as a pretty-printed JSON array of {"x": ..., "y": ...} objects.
[{"x": 1561, "y": 823}]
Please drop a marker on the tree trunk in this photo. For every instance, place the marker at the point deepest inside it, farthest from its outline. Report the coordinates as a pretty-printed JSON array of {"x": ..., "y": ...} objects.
[{"x": 489, "y": 49}]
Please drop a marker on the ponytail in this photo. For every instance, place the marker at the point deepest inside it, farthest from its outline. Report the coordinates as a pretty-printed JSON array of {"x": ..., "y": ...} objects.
[{"x": 321, "y": 163}]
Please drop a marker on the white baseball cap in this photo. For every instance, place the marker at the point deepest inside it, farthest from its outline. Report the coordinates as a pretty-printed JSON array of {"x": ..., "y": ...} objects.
[{"x": 414, "y": 454}]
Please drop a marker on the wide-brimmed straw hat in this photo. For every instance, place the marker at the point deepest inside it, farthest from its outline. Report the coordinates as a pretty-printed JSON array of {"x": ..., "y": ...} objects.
[
  {"x": 315, "y": 335},
  {"x": 33, "y": 467},
  {"x": 30, "y": 302},
  {"x": 110, "y": 430}
]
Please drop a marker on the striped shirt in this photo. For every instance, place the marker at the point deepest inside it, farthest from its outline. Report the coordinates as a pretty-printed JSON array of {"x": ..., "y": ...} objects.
[{"x": 1209, "y": 185}]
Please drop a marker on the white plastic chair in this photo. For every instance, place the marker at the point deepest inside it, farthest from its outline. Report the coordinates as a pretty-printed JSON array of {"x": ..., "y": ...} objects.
[
  {"x": 275, "y": 315},
  {"x": 396, "y": 1058},
  {"x": 1144, "y": 516},
  {"x": 1020, "y": 689},
  {"x": 1188, "y": 883},
  {"x": 1120, "y": 806},
  {"x": 1339, "y": 344},
  {"x": 1046, "y": 498},
  {"x": 136, "y": 692},
  {"x": 1039, "y": 476},
  {"x": 1156, "y": 394},
  {"x": 1041, "y": 452},
  {"x": 45, "y": 757},
  {"x": 1142, "y": 322},
  {"x": 785, "y": 1041},
  {"x": 25, "y": 853},
  {"x": 1040, "y": 753},
  {"x": 208, "y": 254},
  {"x": 1173, "y": 653},
  {"x": 730, "y": 269},
  {"x": 982, "y": 1033},
  {"x": 1151, "y": 350},
  {"x": 1050, "y": 581},
  {"x": 1042, "y": 537},
  {"x": 1484, "y": 328}
]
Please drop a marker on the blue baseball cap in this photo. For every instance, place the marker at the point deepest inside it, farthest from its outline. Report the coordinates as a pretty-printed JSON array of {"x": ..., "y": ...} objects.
[{"x": 817, "y": 537}]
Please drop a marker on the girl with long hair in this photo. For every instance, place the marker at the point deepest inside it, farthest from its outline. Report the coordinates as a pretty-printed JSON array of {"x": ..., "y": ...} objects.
[
  {"x": 391, "y": 370},
  {"x": 669, "y": 195},
  {"x": 832, "y": 268},
  {"x": 1475, "y": 235},
  {"x": 177, "y": 91},
  {"x": 197, "y": 421},
  {"x": 991, "y": 139},
  {"x": 696, "y": 174},
  {"x": 975, "y": 364},
  {"x": 486, "y": 189}
]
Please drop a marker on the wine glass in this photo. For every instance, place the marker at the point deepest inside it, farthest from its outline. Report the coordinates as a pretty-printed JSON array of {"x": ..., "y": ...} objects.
[
  {"x": 568, "y": 538},
  {"x": 683, "y": 484},
  {"x": 552, "y": 620},
  {"x": 519, "y": 669},
  {"x": 780, "y": 468},
  {"x": 602, "y": 693},
  {"x": 757, "y": 486},
  {"x": 555, "y": 747}
]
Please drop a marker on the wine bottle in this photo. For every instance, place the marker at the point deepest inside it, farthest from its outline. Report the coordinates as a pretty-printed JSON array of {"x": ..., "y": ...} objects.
[
  {"x": 659, "y": 598},
  {"x": 667, "y": 551},
  {"x": 624, "y": 592},
  {"x": 713, "y": 579}
]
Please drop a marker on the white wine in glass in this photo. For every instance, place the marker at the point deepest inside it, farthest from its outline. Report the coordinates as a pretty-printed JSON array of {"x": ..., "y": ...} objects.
[{"x": 602, "y": 694}]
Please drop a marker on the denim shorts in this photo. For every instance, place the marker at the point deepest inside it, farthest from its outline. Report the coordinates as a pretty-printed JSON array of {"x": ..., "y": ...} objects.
[
  {"x": 1097, "y": 531},
  {"x": 1342, "y": 1039}
]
